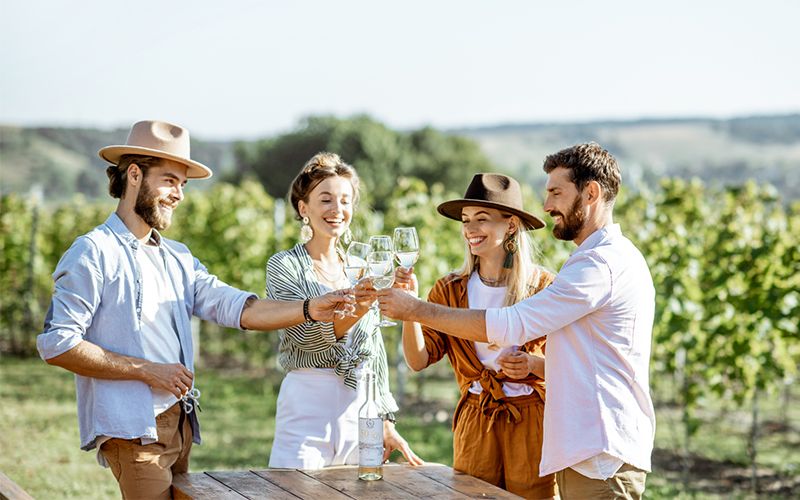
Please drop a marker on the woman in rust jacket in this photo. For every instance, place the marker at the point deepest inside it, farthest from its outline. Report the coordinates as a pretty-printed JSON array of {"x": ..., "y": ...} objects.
[{"x": 497, "y": 423}]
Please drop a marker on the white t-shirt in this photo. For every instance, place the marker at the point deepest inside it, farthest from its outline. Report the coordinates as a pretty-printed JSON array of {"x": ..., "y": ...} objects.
[
  {"x": 159, "y": 336},
  {"x": 481, "y": 296}
]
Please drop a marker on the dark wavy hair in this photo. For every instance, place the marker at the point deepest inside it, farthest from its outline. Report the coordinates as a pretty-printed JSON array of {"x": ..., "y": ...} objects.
[
  {"x": 118, "y": 174},
  {"x": 588, "y": 162}
]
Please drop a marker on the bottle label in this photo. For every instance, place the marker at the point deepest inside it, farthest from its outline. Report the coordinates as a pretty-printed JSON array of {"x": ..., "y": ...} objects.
[
  {"x": 370, "y": 456},
  {"x": 370, "y": 442},
  {"x": 370, "y": 431}
]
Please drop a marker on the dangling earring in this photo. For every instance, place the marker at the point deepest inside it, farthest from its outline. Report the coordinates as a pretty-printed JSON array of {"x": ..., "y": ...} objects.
[
  {"x": 510, "y": 246},
  {"x": 306, "y": 232}
]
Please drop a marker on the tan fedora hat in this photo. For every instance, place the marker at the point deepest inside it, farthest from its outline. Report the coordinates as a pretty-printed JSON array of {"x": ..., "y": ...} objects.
[
  {"x": 496, "y": 191},
  {"x": 159, "y": 139}
]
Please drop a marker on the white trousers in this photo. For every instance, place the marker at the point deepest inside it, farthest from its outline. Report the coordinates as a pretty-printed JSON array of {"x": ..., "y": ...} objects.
[{"x": 316, "y": 422}]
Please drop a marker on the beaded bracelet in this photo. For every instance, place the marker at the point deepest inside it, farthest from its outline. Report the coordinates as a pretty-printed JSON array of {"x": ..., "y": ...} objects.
[{"x": 306, "y": 314}]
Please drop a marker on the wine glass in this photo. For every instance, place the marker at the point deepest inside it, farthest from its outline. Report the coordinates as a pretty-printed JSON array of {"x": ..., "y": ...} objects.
[
  {"x": 355, "y": 263},
  {"x": 381, "y": 243},
  {"x": 381, "y": 270},
  {"x": 406, "y": 246}
]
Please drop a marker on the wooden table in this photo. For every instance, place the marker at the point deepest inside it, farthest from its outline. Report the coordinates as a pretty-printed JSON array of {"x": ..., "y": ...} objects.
[{"x": 399, "y": 481}]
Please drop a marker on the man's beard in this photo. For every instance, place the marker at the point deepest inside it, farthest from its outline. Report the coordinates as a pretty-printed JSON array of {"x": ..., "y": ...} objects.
[
  {"x": 147, "y": 207},
  {"x": 571, "y": 223}
]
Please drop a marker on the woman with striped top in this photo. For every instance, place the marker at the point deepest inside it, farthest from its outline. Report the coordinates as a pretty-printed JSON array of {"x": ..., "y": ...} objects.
[{"x": 316, "y": 424}]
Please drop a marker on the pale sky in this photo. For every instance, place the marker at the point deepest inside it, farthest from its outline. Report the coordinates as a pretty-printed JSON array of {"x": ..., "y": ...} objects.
[{"x": 244, "y": 69}]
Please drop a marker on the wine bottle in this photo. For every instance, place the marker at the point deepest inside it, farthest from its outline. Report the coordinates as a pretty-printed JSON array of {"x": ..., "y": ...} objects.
[{"x": 370, "y": 435}]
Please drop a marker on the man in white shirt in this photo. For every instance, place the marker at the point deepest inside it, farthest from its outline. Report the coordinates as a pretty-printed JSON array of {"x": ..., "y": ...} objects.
[{"x": 599, "y": 423}]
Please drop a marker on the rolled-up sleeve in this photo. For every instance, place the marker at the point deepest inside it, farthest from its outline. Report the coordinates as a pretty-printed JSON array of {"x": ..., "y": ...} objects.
[
  {"x": 76, "y": 296},
  {"x": 216, "y": 301},
  {"x": 583, "y": 285}
]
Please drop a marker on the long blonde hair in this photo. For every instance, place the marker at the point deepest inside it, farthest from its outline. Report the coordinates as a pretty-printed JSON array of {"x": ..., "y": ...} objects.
[{"x": 523, "y": 277}]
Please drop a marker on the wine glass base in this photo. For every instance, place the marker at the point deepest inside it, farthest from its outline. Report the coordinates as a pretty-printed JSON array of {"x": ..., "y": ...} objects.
[{"x": 386, "y": 322}]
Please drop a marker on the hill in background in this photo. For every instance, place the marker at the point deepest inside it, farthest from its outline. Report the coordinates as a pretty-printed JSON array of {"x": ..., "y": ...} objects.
[
  {"x": 64, "y": 161},
  {"x": 766, "y": 149}
]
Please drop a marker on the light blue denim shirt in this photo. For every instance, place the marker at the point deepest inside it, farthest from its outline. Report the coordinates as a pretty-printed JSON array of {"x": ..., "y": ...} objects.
[{"x": 98, "y": 298}]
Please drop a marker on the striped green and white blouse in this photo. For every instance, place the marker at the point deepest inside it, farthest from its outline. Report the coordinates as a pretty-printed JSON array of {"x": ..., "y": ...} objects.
[{"x": 290, "y": 276}]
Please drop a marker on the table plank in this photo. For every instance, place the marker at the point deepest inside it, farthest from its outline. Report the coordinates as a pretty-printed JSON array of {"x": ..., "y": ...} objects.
[
  {"x": 251, "y": 485},
  {"x": 300, "y": 484},
  {"x": 345, "y": 480},
  {"x": 200, "y": 485},
  {"x": 9, "y": 490},
  {"x": 417, "y": 484},
  {"x": 464, "y": 483},
  {"x": 339, "y": 483}
]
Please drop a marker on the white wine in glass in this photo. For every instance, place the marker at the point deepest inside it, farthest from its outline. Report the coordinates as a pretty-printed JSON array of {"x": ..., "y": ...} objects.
[
  {"x": 355, "y": 273},
  {"x": 381, "y": 270},
  {"x": 355, "y": 263},
  {"x": 406, "y": 246}
]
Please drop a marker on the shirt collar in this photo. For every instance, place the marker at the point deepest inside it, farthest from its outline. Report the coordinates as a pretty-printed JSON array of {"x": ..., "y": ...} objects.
[
  {"x": 599, "y": 235},
  {"x": 302, "y": 253},
  {"x": 114, "y": 222},
  {"x": 155, "y": 237},
  {"x": 305, "y": 257}
]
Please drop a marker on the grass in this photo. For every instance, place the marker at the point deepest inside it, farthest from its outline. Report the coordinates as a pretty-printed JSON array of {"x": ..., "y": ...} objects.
[
  {"x": 40, "y": 444},
  {"x": 39, "y": 434}
]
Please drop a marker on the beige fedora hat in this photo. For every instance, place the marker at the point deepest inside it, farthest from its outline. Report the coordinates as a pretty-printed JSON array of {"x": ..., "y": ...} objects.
[
  {"x": 159, "y": 139},
  {"x": 494, "y": 191}
]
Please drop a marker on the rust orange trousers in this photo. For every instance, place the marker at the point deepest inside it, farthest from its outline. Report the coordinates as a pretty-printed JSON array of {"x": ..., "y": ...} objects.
[{"x": 508, "y": 455}]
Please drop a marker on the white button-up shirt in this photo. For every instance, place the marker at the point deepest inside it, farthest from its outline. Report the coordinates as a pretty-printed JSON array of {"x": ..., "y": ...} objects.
[{"x": 598, "y": 318}]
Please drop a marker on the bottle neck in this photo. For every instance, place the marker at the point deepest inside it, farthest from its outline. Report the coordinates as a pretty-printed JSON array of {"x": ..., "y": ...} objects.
[{"x": 370, "y": 379}]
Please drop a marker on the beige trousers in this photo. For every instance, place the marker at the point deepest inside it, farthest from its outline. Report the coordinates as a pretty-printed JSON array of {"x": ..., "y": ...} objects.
[
  {"x": 627, "y": 483},
  {"x": 145, "y": 471}
]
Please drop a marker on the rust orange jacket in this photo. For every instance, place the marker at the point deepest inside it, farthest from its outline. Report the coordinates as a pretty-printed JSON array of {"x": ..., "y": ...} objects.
[{"x": 451, "y": 291}]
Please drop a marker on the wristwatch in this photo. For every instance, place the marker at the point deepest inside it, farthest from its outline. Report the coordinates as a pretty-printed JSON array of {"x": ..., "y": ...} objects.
[{"x": 390, "y": 417}]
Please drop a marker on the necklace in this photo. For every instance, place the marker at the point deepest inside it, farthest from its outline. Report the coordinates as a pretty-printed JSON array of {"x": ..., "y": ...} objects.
[
  {"x": 493, "y": 283},
  {"x": 337, "y": 277}
]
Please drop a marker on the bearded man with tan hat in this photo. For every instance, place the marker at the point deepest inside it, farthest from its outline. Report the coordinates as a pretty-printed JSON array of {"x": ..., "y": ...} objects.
[{"x": 121, "y": 310}]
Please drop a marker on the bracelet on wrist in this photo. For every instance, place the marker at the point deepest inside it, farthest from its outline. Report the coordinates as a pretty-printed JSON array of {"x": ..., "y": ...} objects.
[
  {"x": 306, "y": 314},
  {"x": 390, "y": 417}
]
